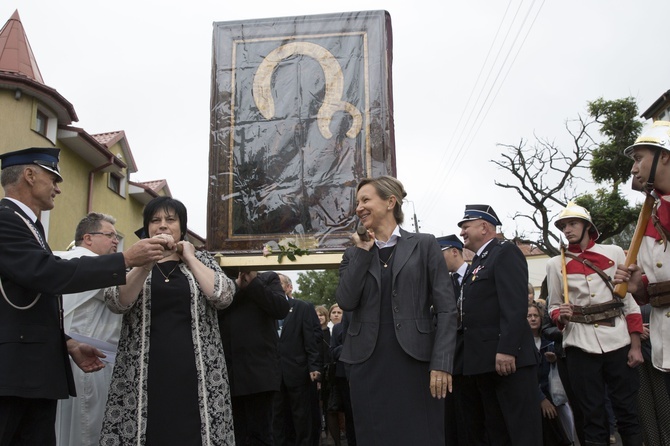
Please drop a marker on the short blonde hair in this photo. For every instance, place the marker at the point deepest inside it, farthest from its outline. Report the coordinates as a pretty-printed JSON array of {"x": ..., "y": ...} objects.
[{"x": 386, "y": 187}]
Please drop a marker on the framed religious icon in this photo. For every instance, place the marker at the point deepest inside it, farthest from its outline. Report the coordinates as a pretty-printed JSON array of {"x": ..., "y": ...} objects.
[{"x": 301, "y": 111}]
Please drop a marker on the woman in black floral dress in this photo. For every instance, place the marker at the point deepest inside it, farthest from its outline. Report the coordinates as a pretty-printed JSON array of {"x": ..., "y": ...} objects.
[{"x": 170, "y": 384}]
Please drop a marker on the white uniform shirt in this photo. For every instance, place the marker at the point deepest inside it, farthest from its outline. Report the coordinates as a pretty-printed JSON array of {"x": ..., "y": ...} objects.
[
  {"x": 656, "y": 266},
  {"x": 586, "y": 287}
]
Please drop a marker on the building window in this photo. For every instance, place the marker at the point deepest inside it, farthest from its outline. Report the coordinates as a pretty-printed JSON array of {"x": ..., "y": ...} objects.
[
  {"x": 114, "y": 183},
  {"x": 665, "y": 115},
  {"x": 41, "y": 123}
]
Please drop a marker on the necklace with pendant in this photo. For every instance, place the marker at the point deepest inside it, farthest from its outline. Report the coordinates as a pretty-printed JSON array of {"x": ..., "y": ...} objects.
[
  {"x": 386, "y": 264},
  {"x": 167, "y": 278}
]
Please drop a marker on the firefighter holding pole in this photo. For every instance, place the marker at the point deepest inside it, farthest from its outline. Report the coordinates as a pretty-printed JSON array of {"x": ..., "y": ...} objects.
[
  {"x": 601, "y": 332},
  {"x": 647, "y": 276}
]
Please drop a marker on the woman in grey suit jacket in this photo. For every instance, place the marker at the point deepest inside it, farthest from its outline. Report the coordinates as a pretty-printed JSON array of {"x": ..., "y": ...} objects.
[{"x": 401, "y": 338}]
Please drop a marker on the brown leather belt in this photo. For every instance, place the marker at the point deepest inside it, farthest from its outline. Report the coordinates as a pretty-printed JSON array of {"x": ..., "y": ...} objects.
[
  {"x": 602, "y": 314},
  {"x": 659, "y": 293}
]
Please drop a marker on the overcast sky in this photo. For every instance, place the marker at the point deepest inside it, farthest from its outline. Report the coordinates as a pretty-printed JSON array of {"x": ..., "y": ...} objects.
[{"x": 145, "y": 67}]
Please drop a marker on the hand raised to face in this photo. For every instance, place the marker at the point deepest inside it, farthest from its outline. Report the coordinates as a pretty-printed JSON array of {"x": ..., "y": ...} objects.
[{"x": 168, "y": 243}]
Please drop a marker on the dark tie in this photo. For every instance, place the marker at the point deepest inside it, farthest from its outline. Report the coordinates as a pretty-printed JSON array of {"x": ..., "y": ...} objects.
[
  {"x": 473, "y": 264},
  {"x": 454, "y": 279},
  {"x": 459, "y": 297}
]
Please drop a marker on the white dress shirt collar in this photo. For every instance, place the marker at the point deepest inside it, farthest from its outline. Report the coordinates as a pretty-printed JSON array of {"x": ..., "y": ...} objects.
[
  {"x": 29, "y": 212},
  {"x": 391, "y": 241}
]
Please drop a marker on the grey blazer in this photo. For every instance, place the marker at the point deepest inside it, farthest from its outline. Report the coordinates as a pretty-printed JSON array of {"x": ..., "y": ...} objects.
[{"x": 424, "y": 309}]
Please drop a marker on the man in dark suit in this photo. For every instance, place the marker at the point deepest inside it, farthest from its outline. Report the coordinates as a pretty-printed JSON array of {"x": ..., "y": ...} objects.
[
  {"x": 299, "y": 341},
  {"x": 34, "y": 366},
  {"x": 342, "y": 376},
  {"x": 454, "y": 423},
  {"x": 499, "y": 354},
  {"x": 250, "y": 343}
]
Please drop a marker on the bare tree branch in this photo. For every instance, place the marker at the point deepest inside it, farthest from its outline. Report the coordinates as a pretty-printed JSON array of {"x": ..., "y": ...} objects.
[{"x": 544, "y": 176}]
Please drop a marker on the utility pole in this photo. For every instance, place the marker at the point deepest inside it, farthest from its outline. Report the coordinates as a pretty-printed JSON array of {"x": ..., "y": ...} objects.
[{"x": 416, "y": 221}]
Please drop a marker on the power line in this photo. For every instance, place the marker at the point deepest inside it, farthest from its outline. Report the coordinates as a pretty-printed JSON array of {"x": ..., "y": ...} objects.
[
  {"x": 447, "y": 152},
  {"x": 471, "y": 127}
]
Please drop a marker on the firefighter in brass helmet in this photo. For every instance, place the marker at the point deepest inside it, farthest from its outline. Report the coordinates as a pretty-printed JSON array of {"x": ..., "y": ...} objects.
[
  {"x": 601, "y": 333},
  {"x": 649, "y": 279}
]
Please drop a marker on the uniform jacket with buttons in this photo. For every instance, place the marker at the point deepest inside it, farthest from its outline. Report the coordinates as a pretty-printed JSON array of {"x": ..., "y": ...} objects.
[
  {"x": 33, "y": 355},
  {"x": 495, "y": 306},
  {"x": 421, "y": 289},
  {"x": 586, "y": 287},
  {"x": 654, "y": 260}
]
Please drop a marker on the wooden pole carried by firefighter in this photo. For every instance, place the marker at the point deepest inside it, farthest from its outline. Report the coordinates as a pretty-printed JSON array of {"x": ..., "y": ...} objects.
[
  {"x": 621, "y": 289},
  {"x": 564, "y": 270}
]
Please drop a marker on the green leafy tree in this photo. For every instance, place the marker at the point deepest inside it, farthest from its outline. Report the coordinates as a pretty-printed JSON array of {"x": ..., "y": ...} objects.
[
  {"x": 318, "y": 286},
  {"x": 619, "y": 125},
  {"x": 546, "y": 176}
]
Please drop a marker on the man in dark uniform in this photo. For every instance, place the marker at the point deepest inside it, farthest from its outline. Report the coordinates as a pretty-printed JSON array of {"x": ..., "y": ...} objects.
[
  {"x": 499, "y": 354},
  {"x": 34, "y": 368},
  {"x": 250, "y": 342},
  {"x": 300, "y": 365},
  {"x": 455, "y": 433}
]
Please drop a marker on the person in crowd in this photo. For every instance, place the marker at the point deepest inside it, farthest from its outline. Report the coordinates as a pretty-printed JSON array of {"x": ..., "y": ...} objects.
[
  {"x": 36, "y": 372},
  {"x": 553, "y": 432},
  {"x": 87, "y": 318},
  {"x": 342, "y": 379},
  {"x": 335, "y": 315},
  {"x": 169, "y": 384},
  {"x": 300, "y": 364},
  {"x": 652, "y": 399},
  {"x": 649, "y": 280},
  {"x": 401, "y": 339},
  {"x": 601, "y": 332},
  {"x": 499, "y": 355},
  {"x": 322, "y": 314},
  {"x": 454, "y": 423},
  {"x": 327, "y": 387},
  {"x": 574, "y": 417},
  {"x": 251, "y": 345}
]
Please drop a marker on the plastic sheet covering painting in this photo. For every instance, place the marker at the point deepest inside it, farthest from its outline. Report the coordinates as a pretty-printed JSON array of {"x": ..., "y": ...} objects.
[{"x": 301, "y": 112}]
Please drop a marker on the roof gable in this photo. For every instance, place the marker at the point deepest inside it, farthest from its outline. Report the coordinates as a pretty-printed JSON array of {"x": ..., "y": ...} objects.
[{"x": 110, "y": 139}]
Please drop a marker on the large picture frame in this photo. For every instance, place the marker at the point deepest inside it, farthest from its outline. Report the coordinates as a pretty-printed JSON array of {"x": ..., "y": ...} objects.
[{"x": 301, "y": 111}]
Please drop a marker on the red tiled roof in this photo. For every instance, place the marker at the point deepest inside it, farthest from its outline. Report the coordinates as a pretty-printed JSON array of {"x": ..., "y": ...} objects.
[
  {"x": 109, "y": 139},
  {"x": 16, "y": 56},
  {"x": 106, "y": 138},
  {"x": 155, "y": 185}
]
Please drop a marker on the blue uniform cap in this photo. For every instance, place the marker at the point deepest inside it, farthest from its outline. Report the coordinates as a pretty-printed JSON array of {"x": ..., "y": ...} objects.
[
  {"x": 480, "y": 212},
  {"x": 450, "y": 241},
  {"x": 45, "y": 157}
]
